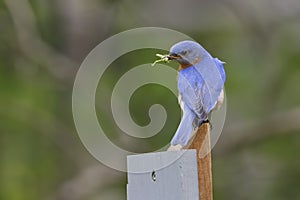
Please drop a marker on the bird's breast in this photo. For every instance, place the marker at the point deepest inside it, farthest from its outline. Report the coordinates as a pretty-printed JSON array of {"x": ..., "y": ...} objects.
[{"x": 183, "y": 66}]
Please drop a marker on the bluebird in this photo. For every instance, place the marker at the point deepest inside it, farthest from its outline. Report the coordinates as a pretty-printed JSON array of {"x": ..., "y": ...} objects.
[{"x": 200, "y": 84}]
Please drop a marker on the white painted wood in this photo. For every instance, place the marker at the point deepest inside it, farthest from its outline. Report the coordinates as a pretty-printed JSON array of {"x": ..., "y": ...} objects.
[{"x": 170, "y": 175}]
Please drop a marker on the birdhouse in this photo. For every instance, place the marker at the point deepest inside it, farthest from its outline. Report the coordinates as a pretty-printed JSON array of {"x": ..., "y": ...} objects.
[{"x": 163, "y": 175}]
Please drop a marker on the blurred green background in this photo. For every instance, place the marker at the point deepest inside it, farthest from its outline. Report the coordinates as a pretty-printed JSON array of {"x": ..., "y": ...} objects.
[{"x": 43, "y": 42}]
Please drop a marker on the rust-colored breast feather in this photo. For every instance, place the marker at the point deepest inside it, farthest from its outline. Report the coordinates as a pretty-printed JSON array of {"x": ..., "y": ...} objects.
[{"x": 183, "y": 66}]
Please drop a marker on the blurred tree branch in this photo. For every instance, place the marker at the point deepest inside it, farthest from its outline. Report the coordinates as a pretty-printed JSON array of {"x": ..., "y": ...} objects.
[
  {"x": 84, "y": 24},
  {"x": 33, "y": 46},
  {"x": 86, "y": 182},
  {"x": 239, "y": 136}
]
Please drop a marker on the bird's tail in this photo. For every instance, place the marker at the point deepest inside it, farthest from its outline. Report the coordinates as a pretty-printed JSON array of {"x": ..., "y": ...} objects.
[{"x": 185, "y": 128}]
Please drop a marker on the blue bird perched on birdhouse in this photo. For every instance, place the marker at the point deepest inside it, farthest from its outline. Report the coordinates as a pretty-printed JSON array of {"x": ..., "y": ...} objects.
[{"x": 201, "y": 80}]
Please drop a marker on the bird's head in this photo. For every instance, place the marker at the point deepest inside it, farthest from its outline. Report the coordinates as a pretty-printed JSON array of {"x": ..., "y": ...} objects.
[{"x": 187, "y": 53}]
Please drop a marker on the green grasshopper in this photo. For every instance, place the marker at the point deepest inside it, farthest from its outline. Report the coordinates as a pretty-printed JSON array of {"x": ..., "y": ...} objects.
[{"x": 163, "y": 58}]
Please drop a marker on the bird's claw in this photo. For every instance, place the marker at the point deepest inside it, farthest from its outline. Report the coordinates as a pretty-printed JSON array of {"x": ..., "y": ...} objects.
[{"x": 207, "y": 121}]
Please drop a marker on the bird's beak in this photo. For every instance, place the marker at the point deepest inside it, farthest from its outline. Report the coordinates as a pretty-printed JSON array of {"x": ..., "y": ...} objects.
[{"x": 173, "y": 57}]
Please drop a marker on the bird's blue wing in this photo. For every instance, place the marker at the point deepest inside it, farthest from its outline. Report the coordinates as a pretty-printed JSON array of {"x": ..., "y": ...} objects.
[
  {"x": 191, "y": 87},
  {"x": 213, "y": 75}
]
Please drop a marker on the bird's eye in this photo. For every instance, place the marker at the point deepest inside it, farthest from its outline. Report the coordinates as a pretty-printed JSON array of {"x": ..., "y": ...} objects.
[{"x": 184, "y": 52}]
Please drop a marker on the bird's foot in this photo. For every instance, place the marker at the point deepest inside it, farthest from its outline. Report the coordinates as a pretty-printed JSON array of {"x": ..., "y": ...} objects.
[{"x": 207, "y": 121}]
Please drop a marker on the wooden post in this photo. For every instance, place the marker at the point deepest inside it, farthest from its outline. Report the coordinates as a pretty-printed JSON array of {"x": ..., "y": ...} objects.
[{"x": 201, "y": 143}]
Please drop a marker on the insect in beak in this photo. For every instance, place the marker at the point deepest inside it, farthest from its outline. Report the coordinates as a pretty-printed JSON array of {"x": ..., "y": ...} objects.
[
  {"x": 173, "y": 57},
  {"x": 166, "y": 58}
]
